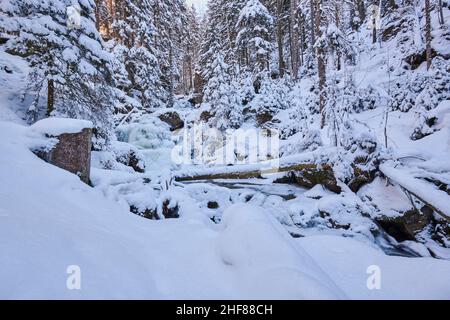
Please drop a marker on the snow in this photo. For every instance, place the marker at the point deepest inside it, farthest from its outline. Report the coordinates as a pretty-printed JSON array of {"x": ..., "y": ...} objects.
[
  {"x": 56, "y": 126},
  {"x": 120, "y": 255},
  {"x": 270, "y": 166},
  {"x": 12, "y": 84},
  {"x": 439, "y": 199},
  {"x": 254, "y": 243},
  {"x": 50, "y": 220},
  {"x": 397, "y": 274},
  {"x": 389, "y": 200}
]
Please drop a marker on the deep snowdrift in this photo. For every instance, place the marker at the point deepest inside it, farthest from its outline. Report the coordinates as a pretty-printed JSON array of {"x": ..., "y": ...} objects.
[{"x": 50, "y": 220}]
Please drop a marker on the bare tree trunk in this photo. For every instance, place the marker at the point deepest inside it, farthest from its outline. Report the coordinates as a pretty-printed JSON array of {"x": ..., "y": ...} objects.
[
  {"x": 280, "y": 37},
  {"x": 50, "y": 97},
  {"x": 294, "y": 40},
  {"x": 97, "y": 14},
  {"x": 338, "y": 22},
  {"x": 191, "y": 75},
  {"x": 302, "y": 39},
  {"x": 313, "y": 36},
  {"x": 111, "y": 15},
  {"x": 321, "y": 67},
  {"x": 374, "y": 25},
  {"x": 361, "y": 11},
  {"x": 441, "y": 13},
  {"x": 428, "y": 33}
]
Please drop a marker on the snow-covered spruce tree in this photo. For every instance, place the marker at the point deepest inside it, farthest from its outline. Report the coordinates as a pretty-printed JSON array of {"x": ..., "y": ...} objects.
[
  {"x": 191, "y": 48},
  {"x": 357, "y": 147},
  {"x": 272, "y": 97},
  {"x": 246, "y": 88},
  {"x": 298, "y": 131},
  {"x": 222, "y": 97},
  {"x": 338, "y": 46},
  {"x": 135, "y": 50},
  {"x": 253, "y": 38},
  {"x": 425, "y": 102},
  {"x": 219, "y": 34},
  {"x": 68, "y": 62},
  {"x": 436, "y": 89},
  {"x": 403, "y": 95},
  {"x": 169, "y": 18}
]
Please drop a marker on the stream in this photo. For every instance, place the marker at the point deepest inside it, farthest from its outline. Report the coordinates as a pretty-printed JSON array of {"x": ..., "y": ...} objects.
[{"x": 157, "y": 156}]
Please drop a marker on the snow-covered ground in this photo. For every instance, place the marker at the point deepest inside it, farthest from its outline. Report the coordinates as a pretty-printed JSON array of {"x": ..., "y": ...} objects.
[
  {"x": 50, "y": 221},
  {"x": 349, "y": 263}
]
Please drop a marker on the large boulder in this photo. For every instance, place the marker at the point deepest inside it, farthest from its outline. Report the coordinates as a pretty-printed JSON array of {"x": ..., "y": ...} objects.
[
  {"x": 407, "y": 225},
  {"x": 129, "y": 155},
  {"x": 310, "y": 177},
  {"x": 196, "y": 99},
  {"x": 72, "y": 152},
  {"x": 264, "y": 117},
  {"x": 173, "y": 119}
]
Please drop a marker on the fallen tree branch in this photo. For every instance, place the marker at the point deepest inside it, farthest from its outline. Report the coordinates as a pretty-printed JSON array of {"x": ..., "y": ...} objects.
[
  {"x": 242, "y": 173},
  {"x": 437, "y": 200}
]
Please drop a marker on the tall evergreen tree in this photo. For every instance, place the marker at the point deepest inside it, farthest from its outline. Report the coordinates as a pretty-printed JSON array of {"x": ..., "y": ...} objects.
[
  {"x": 68, "y": 61},
  {"x": 253, "y": 39}
]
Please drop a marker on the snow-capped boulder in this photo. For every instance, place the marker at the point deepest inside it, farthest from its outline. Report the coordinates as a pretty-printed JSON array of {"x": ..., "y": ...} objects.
[
  {"x": 72, "y": 152},
  {"x": 309, "y": 178},
  {"x": 173, "y": 119},
  {"x": 129, "y": 155}
]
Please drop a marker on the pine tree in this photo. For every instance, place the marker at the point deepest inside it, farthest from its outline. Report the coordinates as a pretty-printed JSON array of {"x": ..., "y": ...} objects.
[
  {"x": 428, "y": 33},
  {"x": 426, "y": 101},
  {"x": 320, "y": 54},
  {"x": 222, "y": 97},
  {"x": 136, "y": 36},
  {"x": 253, "y": 39},
  {"x": 191, "y": 49},
  {"x": 212, "y": 42},
  {"x": 169, "y": 17},
  {"x": 67, "y": 58}
]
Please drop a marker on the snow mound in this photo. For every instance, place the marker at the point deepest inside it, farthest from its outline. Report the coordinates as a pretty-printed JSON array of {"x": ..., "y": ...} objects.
[
  {"x": 256, "y": 245},
  {"x": 57, "y": 126},
  {"x": 347, "y": 261}
]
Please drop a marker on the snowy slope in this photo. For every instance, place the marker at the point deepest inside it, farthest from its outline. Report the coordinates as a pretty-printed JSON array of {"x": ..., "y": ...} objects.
[
  {"x": 50, "y": 220},
  {"x": 13, "y": 79},
  {"x": 420, "y": 278}
]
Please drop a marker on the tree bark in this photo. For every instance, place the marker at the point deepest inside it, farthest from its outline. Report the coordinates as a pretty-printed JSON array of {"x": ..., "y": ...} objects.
[
  {"x": 280, "y": 37},
  {"x": 361, "y": 11},
  {"x": 321, "y": 66},
  {"x": 313, "y": 36},
  {"x": 374, "y": 25},
  {"x": 338, "y": 22},
  {"x": 441, "y": 13},
  {"x": 428, "y": 33},
  {"x": 294, "y": 40},
  {"x": 50, "y": 97}
]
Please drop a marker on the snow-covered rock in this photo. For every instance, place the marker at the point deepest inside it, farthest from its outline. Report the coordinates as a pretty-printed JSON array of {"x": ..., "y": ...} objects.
[
  {"x": 56, "y": 126},
  {"x": 72, "y": 152}
]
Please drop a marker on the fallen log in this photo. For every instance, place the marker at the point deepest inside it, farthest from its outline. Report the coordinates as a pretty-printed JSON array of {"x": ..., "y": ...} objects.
[
  {"x": 242, "y": 173},
  {"x": 437, "y": 200}
]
